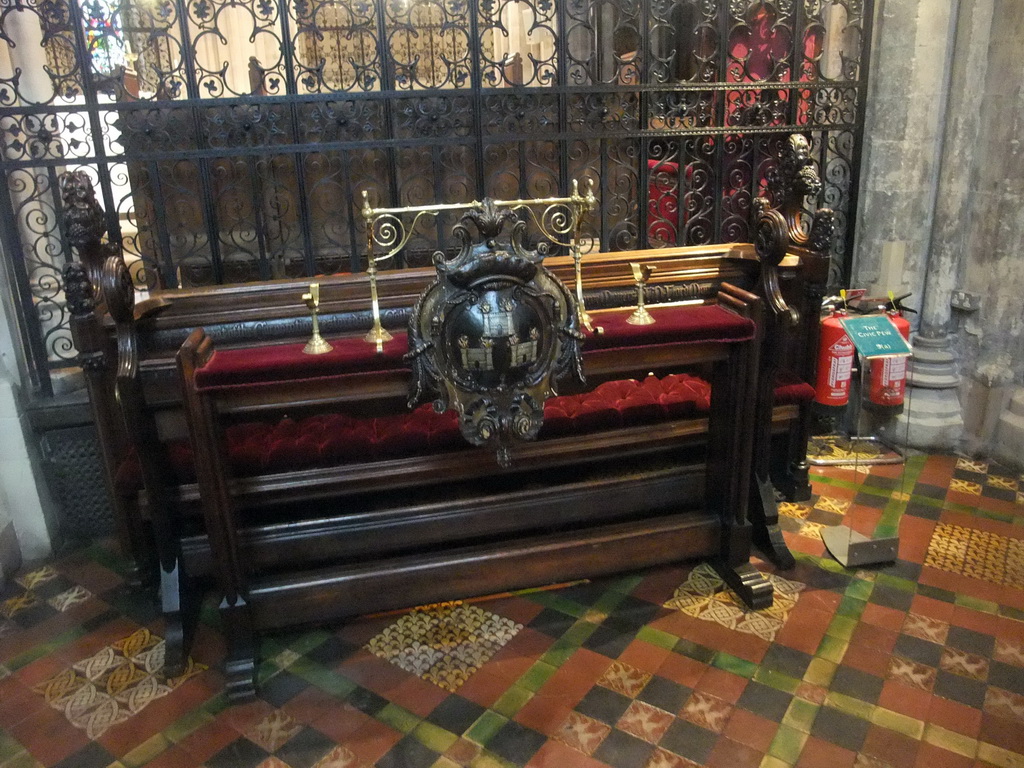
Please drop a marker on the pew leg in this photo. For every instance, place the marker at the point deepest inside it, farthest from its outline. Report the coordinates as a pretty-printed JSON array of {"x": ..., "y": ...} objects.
[
  {"x": 799, "y": 482},
  {"x": 240, "y": 664},
  {"x": 746, "y": 581},
  {"x": 734, "y": 567},
  {"x": 180, "y": 611},
  {"x": 764, "y": 521}
]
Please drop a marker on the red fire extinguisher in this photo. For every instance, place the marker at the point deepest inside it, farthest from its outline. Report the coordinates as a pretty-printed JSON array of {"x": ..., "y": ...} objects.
[
  {"x": 889, "y": 374},
  {"x": 835, "y": 363}
]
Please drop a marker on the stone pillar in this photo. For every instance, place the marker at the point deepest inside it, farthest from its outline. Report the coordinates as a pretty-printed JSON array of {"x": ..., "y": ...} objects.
[
  {"x": 902, "y": 143},
  {"x": 946, "y": 201},
  {"x": 991, "y": 341},
  {"x": 934, "y": 418}
]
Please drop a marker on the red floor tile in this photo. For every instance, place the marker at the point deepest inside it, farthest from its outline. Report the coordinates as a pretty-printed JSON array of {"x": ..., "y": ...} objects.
[
  {"x": 48, "y": 736},
  {"x": 557, "y": 755},
  {"x": 818, "y": 753},
  {"x": 906, "y": 700},
  {"x": 645, "y": 656},
  {"x": 751, "y": 729},
  {"x": 731, "y": 754},
  {"x": 931, "y": 756},
  {"x": 954, "y": 716}
]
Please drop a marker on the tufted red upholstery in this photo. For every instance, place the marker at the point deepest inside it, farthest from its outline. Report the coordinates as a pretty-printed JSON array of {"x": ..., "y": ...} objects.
[
  {"x": 790, "y": 390},
  {"x": 331, "y": 439}
]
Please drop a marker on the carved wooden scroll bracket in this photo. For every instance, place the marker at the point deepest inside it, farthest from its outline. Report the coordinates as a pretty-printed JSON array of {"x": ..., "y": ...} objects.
[{"x": 787, "y": 224}]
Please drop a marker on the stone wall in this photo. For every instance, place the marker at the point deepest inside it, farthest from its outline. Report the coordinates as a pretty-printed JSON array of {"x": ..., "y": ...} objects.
[{"x": 942, "y": 208}]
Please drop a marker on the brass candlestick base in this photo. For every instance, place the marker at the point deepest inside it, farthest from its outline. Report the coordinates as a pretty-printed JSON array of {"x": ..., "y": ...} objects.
[
  {"x": 316, "y": 345},
  {"x": 640, "y": 316},
  {"x": 378, "y": 335}
]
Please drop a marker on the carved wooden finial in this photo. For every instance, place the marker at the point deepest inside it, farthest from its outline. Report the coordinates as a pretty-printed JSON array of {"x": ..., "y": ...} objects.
[{"x": 83, "y": 217}]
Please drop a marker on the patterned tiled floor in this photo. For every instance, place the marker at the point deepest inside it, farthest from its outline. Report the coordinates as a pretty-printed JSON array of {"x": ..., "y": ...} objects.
[{"x": 919, "y": 664}]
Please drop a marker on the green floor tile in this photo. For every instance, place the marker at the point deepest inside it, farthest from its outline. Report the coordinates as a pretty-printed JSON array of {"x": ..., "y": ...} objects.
[
  {"x": 951, "y": 740},
  {"x": 935, "y": 593},
  {"x": 488, "y": 724},
  {"x": 657, "y": 637},
  {"x": 511, "y": 701},
  {"x": 9, "y": 747},
  {"x": 777, "y": 680},
  {"x": 859, "y": 589},
  {"x": 398, "y": 717},
  {"x": 535, "y": 677},
  {"x": 832, "y": 648},
  {"x": 577, "y": 633},
  {"x": 977, "y": 604},
  {"x": 800, "y": 715},
  {"x": 148, "y": 750},
  {"x": 487, "y": 760},
  {"x": 897, "y": 583},
  {"x": 820, "y": 672},
  {"x": 787, "y": 744},
  {"x": 558, "y": 603},
  {"x": 23, "y": 760},
  {"x": 559, "y": 653},
  {"x": 851, "y": 607},
  {"x": 898, "y": 722},
  {"x": 850, "y": 705},
  {"x": 735, "y": 664},
  {"x": 433, "y": 736},
  {"x": 841, "y": 628}
]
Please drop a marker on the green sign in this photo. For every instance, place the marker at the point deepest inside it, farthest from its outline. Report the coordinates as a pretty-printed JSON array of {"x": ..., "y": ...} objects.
[{"x": 876, "y": 336}]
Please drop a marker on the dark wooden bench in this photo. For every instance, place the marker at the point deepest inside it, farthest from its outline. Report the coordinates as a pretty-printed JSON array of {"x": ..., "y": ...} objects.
[{"x": 128, "y": 352}]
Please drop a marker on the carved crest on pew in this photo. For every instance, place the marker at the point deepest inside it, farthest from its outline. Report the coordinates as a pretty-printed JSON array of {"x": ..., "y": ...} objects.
[{"x": 494, "y": 333}]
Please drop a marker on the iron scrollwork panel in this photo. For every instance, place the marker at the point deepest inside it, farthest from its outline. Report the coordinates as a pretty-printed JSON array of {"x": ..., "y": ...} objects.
[{"x": 251, "y": 125}]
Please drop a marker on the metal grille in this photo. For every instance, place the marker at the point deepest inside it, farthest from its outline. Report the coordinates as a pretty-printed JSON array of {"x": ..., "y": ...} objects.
[{"x": 231, "y": 139}]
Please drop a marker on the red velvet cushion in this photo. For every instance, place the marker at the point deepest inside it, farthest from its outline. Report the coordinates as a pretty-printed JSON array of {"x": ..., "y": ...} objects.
[
  {"x": 686, "y": 324},
  {"x": 789, "y": 390},
  {"x": 255, "y": 365},
  {"x": 330, "y": 439}
]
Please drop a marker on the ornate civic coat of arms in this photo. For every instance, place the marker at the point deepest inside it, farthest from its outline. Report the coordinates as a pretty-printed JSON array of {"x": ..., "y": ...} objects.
[{"x": 493, "y": 334}]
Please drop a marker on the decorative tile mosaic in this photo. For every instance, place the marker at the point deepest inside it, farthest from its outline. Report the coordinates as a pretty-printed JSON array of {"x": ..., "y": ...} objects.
[
  {"x": 962, "y": 663},
  {"x": 444, "y": 643},
  {"x": 972, "y": 465},
  {"x": 882, "y": 667},
  {"x": 582, "y": 733},
  {"x": 707, "y": 711},
  {"x": 113, "y": 684},
  {"x": 340, "y": 757},
  {"x": 273, "y": 731},
  {"x": 13, "y": 606},
  {"x": 925, "y": 628},
  {"x": 794, "y": 509},
  {"x": 39, "y": 576},
  {"x": 705, "y": 596},
  {"x": 71, "y": 597},
  {"x": 645, "y": 721},
  {"x": 965, "y": 486},
  {"x": 828, "y": 504},
  {"x": 978, "y": 554},
  {"x": 624, "y": 679}
]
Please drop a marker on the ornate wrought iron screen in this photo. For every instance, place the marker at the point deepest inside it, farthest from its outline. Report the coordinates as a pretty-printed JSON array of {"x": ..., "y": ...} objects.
[{"x": 232, "y": 139}]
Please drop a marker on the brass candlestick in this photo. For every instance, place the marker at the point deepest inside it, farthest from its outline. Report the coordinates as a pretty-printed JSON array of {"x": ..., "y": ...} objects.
[
  {"x": 377, "y": 334},
  {"x": 579, "y": 205},
  {"x": 317, "y": 345},
  {"x": 640, "y": 316}
]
